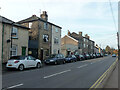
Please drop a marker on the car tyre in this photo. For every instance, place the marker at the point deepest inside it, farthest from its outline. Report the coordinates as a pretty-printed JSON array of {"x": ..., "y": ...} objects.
[
  {"x": 64, "y": 62},
  {"x": 55, "y": 63},
  {"x": 21, "y": 67},
  {"x": 38, "y": 65}
]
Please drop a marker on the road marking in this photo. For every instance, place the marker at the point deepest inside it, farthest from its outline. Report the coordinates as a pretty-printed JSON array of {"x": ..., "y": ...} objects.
[
  {"x": 15, "y": 86},
  {"x": 98, "y": 82},
  {"x": 82, "y": 66},
  {"x": 57, "y": 73}
]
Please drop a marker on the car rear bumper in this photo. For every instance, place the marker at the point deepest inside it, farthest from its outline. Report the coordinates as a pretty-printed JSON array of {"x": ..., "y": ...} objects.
[{"x": 12, "y": 66}]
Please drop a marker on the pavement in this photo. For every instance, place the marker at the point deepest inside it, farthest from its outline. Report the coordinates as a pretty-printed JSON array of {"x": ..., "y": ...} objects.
[
  {"x": 112, "y": 81},
  {"x": 80, "y": 74}
]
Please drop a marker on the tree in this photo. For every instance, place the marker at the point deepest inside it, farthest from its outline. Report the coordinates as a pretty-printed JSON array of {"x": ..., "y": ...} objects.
[{"x": 108, "y": 49}]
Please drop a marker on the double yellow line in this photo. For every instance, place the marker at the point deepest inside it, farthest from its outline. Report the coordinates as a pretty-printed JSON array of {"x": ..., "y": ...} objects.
[{"x": 99, "y": 81}]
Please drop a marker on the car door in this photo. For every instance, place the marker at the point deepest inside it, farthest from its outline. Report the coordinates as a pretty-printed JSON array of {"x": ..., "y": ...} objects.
[
  {"x": 58, "y": 58},
  {"x": 31, "y": 61},
  {"x": 61, "y": 58}
]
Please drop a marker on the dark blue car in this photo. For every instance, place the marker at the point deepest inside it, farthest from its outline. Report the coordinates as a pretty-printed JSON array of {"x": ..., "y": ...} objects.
[
  {"x": 55, "y": 59},
  {"x": 71, "y": 58}
]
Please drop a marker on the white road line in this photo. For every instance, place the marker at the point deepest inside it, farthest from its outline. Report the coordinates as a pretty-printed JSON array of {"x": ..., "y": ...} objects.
[
  {"x": 15, "y": 86},
  {"x": 57, "y": 74},
  {"x": 82, "y": 66}
]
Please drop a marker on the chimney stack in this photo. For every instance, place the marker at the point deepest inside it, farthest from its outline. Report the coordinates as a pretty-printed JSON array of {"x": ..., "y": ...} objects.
[
  {"x": 68, "y": 33},
  {"x": 80, "y": 33},
  {"x": 86, "y": 35},
  {"x": 44, "y": 16}
]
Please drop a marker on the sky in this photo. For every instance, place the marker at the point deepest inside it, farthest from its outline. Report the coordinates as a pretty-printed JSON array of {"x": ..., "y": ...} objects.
[{"x": 92, "y": 17}]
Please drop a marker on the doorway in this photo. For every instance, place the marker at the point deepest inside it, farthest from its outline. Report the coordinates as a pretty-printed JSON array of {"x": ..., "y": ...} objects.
[
  {"x": 23, "y": 51},
  {"x": 41, "y": 54}
]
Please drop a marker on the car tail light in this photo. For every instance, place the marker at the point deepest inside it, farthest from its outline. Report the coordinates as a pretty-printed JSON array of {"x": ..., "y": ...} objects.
[{"x": 16, "y": 61}]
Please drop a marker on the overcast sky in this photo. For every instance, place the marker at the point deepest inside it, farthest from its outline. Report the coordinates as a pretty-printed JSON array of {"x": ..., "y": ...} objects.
[{"x": 90, "y": 17}]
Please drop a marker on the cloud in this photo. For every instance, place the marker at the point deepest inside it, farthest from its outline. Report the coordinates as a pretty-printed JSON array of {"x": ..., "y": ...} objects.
[{"x": 90, "y": 16}]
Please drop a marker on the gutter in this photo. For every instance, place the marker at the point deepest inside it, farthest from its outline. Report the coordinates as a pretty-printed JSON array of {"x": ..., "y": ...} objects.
[{"x": 2, "y": 41}]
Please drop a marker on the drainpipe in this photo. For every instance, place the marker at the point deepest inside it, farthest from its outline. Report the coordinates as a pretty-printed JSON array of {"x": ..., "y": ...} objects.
[{"x": 2, "y": 41}]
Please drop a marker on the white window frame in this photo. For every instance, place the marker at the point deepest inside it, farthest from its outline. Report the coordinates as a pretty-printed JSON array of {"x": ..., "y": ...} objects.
[
  {"x": 45, "y": 26},
  {"x": 56, "y": 41},
  {"x": 14, "y": 50},
  {"x": 56, "y": 29},
  {"x": 45, "y": 36},
  {"x": 84, "y": 45},
  {"x": 14, "y": 30},
  {"x": 30, "y": 24}
]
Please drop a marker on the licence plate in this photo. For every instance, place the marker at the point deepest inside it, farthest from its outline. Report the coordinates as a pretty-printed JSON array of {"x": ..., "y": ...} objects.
[{"x": 9, "y": 65}]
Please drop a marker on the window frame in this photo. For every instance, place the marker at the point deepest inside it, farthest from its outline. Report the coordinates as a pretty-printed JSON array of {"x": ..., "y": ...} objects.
[
  {"x": 44, "y": 37},
  {"x": 45, "y": 26},
  {"x": 14, "y": 50},
  {"x": 14, "y": 31}
]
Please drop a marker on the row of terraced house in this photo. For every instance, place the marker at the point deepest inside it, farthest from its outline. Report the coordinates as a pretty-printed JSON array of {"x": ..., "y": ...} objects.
[{"x": 38, "y": 37}]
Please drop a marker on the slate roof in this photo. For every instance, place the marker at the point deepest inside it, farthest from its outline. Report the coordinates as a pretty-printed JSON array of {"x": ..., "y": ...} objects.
[
  {"x": 8, "y": 21},
  {"x": 35, "y": 18}
]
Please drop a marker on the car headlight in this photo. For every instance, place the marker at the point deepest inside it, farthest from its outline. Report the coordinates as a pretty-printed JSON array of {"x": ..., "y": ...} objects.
[{"x": 51, "y": 60}]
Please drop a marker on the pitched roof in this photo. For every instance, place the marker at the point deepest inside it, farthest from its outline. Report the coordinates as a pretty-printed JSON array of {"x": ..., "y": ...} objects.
[
  {"x": 72, "y": 38},
  {"x": 35, "y": 18},
  {"x": 8, "y": 21}
]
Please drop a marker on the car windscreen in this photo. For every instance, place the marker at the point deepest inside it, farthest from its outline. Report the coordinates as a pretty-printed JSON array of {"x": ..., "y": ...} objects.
[
  {"x": 68, "y": 56},
  {"x": 17, "y": 58},
  {"x": 53, "y": 56}
]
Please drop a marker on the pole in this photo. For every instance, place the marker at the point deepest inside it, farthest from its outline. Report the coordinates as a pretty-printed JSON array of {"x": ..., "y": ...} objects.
[
  {"x": 11, "y": 41},
  {"x": 118, "y": 46},
  {"x": 2, "y": 40}
]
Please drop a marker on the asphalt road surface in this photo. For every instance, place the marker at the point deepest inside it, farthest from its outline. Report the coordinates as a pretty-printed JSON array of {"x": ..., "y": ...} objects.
[{"x": 80, "y": 74}]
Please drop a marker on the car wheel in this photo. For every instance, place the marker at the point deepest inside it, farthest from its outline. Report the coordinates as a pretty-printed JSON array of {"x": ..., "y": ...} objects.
[
  {"x": 64, "y": 62},
  {"x": 55, "y": 62},
  {"x": 38, "y": 65},
  {"x": 21, "y": 67}
]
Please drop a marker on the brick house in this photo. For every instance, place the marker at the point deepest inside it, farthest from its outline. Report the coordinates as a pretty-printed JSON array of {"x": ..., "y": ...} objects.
[
  {"x": 14, "y": 39},
  {"x": 41, "y": 36},
  {"x": 85, "y": 45},
  {"x": 69, "y": 45}
]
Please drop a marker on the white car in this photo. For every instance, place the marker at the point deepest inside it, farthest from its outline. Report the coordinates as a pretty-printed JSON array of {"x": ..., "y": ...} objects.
[{"x": 21, "y": 62}]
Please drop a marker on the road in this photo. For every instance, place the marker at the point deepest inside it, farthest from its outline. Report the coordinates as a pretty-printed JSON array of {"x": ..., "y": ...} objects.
[{"x": 80, "y": 74}]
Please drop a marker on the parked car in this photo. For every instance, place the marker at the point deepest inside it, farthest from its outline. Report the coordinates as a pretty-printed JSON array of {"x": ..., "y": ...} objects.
[
  {"x": 94, "y": 56},
  {"x": 87, "y": 56},
  {"x": 101, "y": 55},
  {"x": 21, "y": 62},
  {"x": 98, "y": 55},
  {"x": 80, "y": 57},
  {"x": 106, "y": 55},
  {"x": 114, "y": 55},
  {"x": 91, "y": 56},
  {"x": 71, "y": 58},
  {"x": 55, "y": 59}
]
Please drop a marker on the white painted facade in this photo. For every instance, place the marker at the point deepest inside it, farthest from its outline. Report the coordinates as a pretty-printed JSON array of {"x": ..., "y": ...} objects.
[{"x": 56, "y": 40}]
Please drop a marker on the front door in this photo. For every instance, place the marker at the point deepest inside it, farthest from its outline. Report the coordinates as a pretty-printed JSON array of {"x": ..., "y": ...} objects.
[
  {"x": 41, "y": 54},
  {"x": 23, "y": 51}
]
